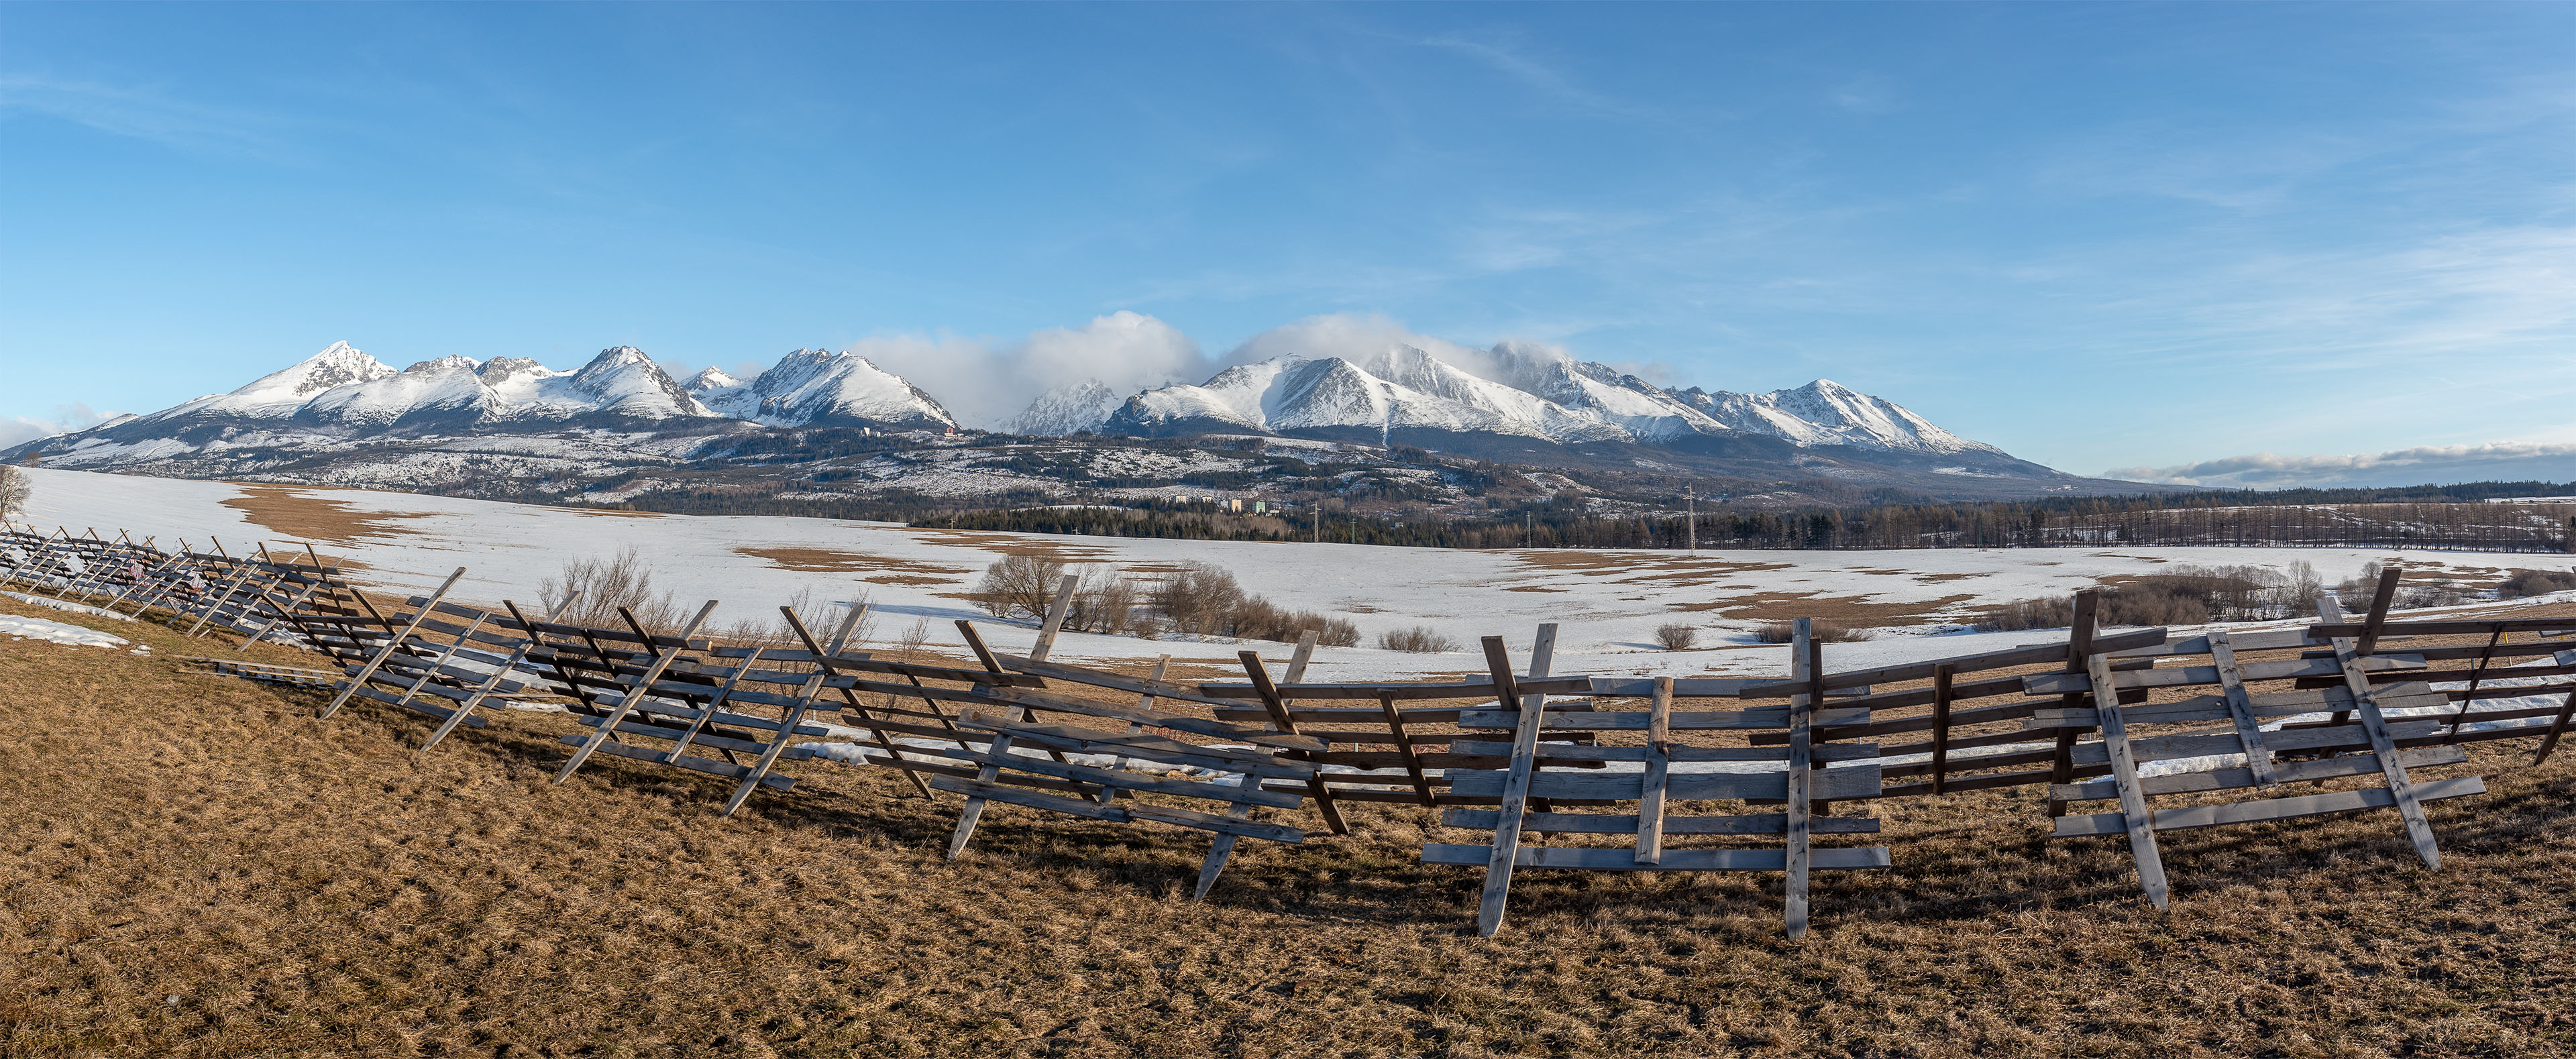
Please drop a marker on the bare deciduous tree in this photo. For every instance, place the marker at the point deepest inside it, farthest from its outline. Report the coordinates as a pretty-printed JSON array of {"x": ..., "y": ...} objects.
[{"x": 15, "y": 488}]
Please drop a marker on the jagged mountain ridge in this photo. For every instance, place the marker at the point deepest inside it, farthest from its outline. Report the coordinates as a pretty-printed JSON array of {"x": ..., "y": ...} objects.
[
  {"x": 1407, "y": 390},
  {"x": 341, "y": 413}
]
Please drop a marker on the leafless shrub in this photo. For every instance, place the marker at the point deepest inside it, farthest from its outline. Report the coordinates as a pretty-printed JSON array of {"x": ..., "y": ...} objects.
[
  {"x": 604, "y": 585},
  {"x": 1823, "y": 631},
  {"x": 1103, "y": 602},
  {"x": 1018, "y": 584},
  {"x": 1676, "y": 636},
  {"x": 15, "y": 489},
  {"x": 1198, "y": 597},
  {"x": 821, "y": 617},
  {"x": 2536, "y": 583},
  {"x": 1419, "y": 639}
]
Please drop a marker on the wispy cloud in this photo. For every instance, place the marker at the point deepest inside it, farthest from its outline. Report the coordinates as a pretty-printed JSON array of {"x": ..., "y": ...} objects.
[
  {"x": 2435, "y": 464},
  {"x": 146, "y": 114},
  {"x": 17, "y": 430},
  {"x": 1548, "y": 82}
]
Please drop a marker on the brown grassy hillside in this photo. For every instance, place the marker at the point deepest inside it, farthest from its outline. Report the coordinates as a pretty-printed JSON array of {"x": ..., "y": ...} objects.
[{"x": 192, "y": 865}]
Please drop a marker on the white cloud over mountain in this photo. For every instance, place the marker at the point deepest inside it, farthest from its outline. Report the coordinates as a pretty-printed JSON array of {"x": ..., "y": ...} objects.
[{"x": 2429, "y": 464}]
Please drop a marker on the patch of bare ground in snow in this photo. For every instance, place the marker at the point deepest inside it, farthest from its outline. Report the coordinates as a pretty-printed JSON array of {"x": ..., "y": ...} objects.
[
  {"x": 1854, "y": 612},
  {"x": 296, "y": 512},
  {"x": 194, "y": 866},
  {"x": 887, "y": 570}
]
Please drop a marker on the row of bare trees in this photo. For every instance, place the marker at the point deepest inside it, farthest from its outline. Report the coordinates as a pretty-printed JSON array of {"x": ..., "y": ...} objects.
[{"x": 1193, "y": 598}]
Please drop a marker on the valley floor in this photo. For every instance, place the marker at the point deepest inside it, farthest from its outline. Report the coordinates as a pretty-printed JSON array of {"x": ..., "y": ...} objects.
[
  {"x": 194, "y": 866},
  {"x": 1609, "y": 602}
]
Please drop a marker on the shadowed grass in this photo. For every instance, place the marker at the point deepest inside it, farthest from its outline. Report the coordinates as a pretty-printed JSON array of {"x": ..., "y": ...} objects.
[{"x": 192, "y": 865}]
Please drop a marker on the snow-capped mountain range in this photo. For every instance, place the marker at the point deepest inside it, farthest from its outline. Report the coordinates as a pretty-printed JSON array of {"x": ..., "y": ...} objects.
[
  {"x": 1530, "y": 394},
  {"x": 456, "y": 418}
]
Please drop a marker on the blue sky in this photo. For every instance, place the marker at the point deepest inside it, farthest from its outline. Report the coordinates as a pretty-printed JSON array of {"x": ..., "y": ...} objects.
[{"x": 2097, "y": 235}]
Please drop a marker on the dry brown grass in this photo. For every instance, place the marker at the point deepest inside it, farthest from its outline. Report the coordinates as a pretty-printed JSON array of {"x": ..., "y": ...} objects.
[
  {"x": 1852, "y": 611},
  {"x": 310, "y": 888},
  {"x": 295, "y": 512},
  {"x": 833, "y": 561}
]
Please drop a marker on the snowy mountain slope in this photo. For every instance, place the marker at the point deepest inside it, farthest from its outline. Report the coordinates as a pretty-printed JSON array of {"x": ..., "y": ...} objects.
[
  {"x": 1824, "y": 412},
  {"x": 812, "y": 387},
  {"x": 1536, "y": 395},
  {"x": 1085, "y": 405},
  {"x": 510, "y": 423}
]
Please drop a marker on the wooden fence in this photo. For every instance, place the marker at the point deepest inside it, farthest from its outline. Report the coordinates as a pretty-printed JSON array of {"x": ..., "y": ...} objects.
[{"x": 1536, "y": 766}]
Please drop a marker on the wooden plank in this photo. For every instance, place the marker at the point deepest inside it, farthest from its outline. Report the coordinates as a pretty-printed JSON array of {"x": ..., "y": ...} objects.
[
  {"x": 2401, "y": 788},
  {"x": 1222, "y": 848},
  {"x": 2287, "y": 772},
  {"x": 1857, "y": 781},
  {"x": 1150, "y": 748},
  {"x": 1626, "y": 824},
  {"x": 1278, "y": 707},
  {"x": 2269, "y": 809},
  {"x": 2185, "y": 676},
  {"x": 1595, "y": 859},
  {"x": 1403, "y": 691},
  {"x": 979, "y": 791},
  {"x": 2036, "y": 654},
  {"x": 2209, "y": 744},
  {"x": 1288, "y": 739},
  {"x": 1759, "y": 717},
  {"x": 391, "y": 644},
  {"x": 1942, "y": 678},
  {"x": 2079, "y": 641},
  {"x": 1135, "y": 781},
  {"x": 1504, "y": 855},
  {"x": 723, "y": 769},
  {"x": 2339, "y": 628},
  {"x": 1807, "y": 661},
  {"x": 2124, "y": 776},
  {"x": 627, "y": 705},
  {"x": 2549, "y": 741},
  {"x": 1225, "y": 826},
  {"x": 1404, "y": 745},
  {"x": 2240, "y": 708},
  {"x": 1650, "y": 806}
]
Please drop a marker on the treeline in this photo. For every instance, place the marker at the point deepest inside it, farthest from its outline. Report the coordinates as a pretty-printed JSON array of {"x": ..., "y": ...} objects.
[{"x": 2224, "y": 520}]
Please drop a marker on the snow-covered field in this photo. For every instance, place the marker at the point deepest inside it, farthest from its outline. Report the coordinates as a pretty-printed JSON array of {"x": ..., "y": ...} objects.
[{"x": 1607, "y": 602}]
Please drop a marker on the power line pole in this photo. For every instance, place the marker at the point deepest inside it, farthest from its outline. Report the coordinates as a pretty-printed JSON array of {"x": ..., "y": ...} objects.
[{"x": 1690, "y": 496}]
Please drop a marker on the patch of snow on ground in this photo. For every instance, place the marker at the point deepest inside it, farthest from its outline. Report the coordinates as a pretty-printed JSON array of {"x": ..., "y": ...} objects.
[
  {"x": 58, "y": 604},
  {"x": 72, "y": 635}
]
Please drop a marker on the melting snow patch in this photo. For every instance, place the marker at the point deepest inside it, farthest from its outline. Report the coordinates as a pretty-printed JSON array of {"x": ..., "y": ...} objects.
[
  {"x": 74, "y": 635},
  {"x": 76, "y": 608}
]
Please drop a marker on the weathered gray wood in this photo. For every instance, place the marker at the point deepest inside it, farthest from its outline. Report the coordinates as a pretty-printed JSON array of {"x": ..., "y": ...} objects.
[
  {"x": 1650, "y": 804},
  {"x": 1601, "y": 859},
  {"x": 1626, "y": 824},
  {"x": 2079, "y": 643},
  {"x": 2287, "y": 772},
  {"x": 2265, "y": 809},
  {"x": 2138, "y": 640},
  {"x": 2240, "y": 708},
  {"x": 1222, "y": 848},
  {"x": 1806, "y": 663},
  {"x": 2124, "y": 776},
  {"x": 1404, "y": 690},
  {"x": 1404, "y": 746},
  {"x": 1056, "y": 610},
  {"x": 1855, "y": 781},
  {"x": 2185, "y": 676},
  {"x": 1757, "y": 718},
  {"x": 627, "y": 704},
  {"x": 2401, "y": 788},
  {"x": 1280, "y": 717},
  {"x": 805, "y": 701},
  {"x": 395, "y": 643},
  {"x": 1504, "y": 854},
  {"x": 1942, "y": 677}
]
